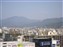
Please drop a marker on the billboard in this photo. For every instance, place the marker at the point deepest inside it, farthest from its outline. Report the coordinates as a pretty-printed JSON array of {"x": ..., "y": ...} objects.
[{"x": 43, "y": 42}]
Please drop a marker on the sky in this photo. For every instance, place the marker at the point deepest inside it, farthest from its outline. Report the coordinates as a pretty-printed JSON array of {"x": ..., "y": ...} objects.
[
  {"x": 32, "y": 10},
  {"x": 31, "y": 0}
]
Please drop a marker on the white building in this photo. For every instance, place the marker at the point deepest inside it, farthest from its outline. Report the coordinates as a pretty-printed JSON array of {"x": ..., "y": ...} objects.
[
  {"x": 52, "y": 32},
  {"x": 17, "y": 44},
  {"x": 20, "y": 38},
  {"x": 55, "y": 43}
]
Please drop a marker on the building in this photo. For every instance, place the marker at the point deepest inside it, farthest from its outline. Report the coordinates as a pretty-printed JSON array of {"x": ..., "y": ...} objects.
[
  {"x": 16, "y": 44},
  {"x": 55, "y": 43},
  {"x": 43, "y": 42}
]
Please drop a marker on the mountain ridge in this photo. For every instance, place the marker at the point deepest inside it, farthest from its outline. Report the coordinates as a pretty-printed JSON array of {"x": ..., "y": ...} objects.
[{"x": 25, "y": 22}]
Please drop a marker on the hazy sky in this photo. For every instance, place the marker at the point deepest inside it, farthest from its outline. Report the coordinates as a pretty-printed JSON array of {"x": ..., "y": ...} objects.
[
  {"x": 31, "y": 10},
  {"x": 31, "y": 0}
]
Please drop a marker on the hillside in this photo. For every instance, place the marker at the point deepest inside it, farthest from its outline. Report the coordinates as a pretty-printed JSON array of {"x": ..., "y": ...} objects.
[{"x": 25, "y": 22}]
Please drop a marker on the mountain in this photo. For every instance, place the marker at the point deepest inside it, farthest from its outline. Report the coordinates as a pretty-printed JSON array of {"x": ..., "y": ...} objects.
[
  {"x": 16, "y": 21},
  {"x": 25, "y": 22},
  {"x": 52, "y": 22}
]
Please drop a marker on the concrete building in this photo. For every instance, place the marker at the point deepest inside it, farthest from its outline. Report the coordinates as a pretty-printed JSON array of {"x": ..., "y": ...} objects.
[
  {"x": 55, "y": 43},
  {"x": 17, "y": 44}
]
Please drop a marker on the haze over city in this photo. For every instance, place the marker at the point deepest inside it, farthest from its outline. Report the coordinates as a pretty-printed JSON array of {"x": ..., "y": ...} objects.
[{"x": 31, "y": 10}]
